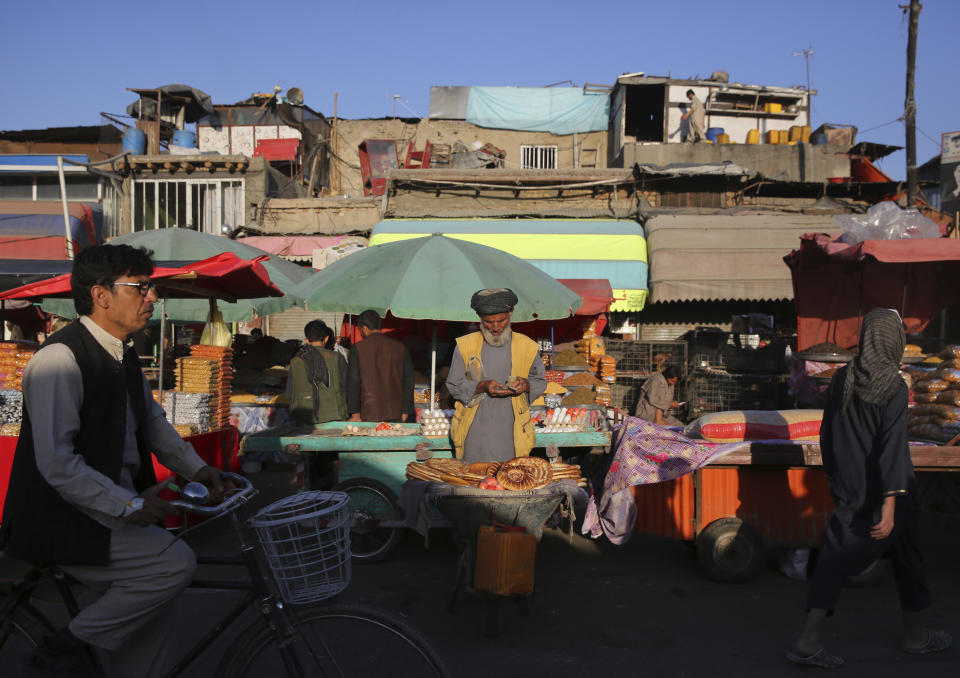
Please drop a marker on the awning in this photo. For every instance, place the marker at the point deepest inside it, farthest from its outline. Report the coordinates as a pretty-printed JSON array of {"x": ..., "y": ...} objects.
[
  {"x": 597, "y": 295},
  {"x": 705, "y": 257},
  {"x": 610, "y": 249},
  {"x": 837, "y": 283},
  {"x": 35, "y": 230}
]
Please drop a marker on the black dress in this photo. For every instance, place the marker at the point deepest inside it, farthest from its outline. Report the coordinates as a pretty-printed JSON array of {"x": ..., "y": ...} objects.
[{"x": 866, "y": 457}]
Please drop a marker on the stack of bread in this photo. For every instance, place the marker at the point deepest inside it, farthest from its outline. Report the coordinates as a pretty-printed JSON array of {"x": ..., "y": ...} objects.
[
  {"x": 517, "y": 474},
  {"x": 936, "y": 392},
  {"x": 220, "y": 398}
]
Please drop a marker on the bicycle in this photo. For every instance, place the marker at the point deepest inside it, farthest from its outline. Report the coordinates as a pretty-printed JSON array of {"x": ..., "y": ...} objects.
[{"x": 300, "y": 556}]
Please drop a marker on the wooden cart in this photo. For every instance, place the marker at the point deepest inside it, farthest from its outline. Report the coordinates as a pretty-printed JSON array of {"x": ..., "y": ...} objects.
[
  {"x": 763, "y": 497},
  {"x": 372, "y": 470}
]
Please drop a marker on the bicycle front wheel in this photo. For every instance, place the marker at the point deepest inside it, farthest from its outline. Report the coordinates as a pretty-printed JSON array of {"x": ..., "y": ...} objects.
[{"x": 334, "y": 641}]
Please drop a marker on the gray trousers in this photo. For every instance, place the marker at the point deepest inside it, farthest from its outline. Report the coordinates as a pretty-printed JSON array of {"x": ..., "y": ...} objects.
[{"x": 134, "y": 618}]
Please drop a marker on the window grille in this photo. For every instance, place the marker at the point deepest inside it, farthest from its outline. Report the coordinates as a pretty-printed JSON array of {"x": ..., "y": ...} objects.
[
  {"x": 539, "y": 157},
  {"x": 204, "y": 205}
]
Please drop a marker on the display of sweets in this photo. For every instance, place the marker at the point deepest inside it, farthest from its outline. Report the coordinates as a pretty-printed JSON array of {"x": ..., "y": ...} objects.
[
  {"x": 434, "y": 423},
  {"x": 188, "y": 409},
  {"x": 11, "y": 406},
  {"x": 220, "y": 400},
  {"x": 14, "y": 356}
]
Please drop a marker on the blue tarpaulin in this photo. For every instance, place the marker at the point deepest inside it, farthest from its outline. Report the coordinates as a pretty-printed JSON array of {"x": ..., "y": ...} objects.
[{"x": 563, "y": 110}]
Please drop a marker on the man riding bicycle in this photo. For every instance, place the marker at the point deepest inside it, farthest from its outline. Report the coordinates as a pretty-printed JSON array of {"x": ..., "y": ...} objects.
[{"x": 83, "y": 494}]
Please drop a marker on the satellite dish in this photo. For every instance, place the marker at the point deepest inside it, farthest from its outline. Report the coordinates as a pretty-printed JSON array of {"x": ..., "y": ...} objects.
[{"x": 295, "y": 96}]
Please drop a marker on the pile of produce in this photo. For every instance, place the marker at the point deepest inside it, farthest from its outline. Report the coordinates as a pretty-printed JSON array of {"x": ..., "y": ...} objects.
[
  {"x": 569, "y": 358},
  {"x": 518, "y": 474}
]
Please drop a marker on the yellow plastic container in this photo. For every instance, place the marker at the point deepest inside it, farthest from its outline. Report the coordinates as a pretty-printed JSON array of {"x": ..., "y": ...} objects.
[
  {"x": 753, "y": 136},
  {"x": 773, "y": 136},
  {"x": 796, "y": 133},
  {"x": 723, "y": 138},
  {"x": 505, "y": 561},
  {"x": 771, "y": 107},
  {"x": 784, "y": 136},
  {"x": 805, "y": 134}
]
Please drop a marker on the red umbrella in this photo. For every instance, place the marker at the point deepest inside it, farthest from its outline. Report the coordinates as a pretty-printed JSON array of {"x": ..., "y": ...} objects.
[{"x": 223, "y": 276}]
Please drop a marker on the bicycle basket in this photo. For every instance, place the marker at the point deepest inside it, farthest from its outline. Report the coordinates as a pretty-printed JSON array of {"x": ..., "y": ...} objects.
[{"x": 306, "y": 542}]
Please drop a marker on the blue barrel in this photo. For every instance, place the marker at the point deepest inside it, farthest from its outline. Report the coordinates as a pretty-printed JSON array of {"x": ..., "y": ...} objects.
[
  {"x": 818, "y": 139},
  {"x": 184, "y": 139},
  {"x": 713, "y": 133},
  {"x": 134, "y": 141}
]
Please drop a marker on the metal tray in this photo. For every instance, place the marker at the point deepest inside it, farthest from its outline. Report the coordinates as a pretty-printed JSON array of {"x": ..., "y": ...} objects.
[
  {"x": 913, "y": 359},
  {"x": 825, "y": 357}
]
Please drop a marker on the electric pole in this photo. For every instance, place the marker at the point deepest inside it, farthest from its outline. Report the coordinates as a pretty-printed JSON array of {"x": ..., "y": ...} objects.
[
  {"x": 910, "y": 104},
  {"x": 806, "y": 54}
]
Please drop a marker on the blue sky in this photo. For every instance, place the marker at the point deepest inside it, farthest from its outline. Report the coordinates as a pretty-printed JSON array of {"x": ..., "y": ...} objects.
[{"x": 64, "y": 62}]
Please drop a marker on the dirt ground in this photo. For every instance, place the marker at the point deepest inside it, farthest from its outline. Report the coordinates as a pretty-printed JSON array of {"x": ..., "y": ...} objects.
[{"x": 640, "y": 609}]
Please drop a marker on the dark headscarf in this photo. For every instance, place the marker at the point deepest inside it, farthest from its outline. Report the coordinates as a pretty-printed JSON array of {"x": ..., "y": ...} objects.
[
  {"x": 874, "y": 375},
  {"x": 493, "y": 301}
]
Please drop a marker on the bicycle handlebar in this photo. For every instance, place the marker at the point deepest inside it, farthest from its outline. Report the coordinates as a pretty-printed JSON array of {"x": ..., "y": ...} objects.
[{"x": 229, "y": 501}]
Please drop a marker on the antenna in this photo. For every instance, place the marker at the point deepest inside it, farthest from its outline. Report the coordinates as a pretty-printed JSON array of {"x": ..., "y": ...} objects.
[{"x": 806, "y": 54}]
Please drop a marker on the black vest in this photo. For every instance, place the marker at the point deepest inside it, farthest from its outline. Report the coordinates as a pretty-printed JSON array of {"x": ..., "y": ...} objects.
[{"x": 38, "y": 525}]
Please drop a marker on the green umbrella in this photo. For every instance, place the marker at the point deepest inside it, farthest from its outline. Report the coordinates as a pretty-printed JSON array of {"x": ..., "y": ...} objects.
[
  {"x": 184, "y": 244},
  {"x": 433, "y": 277}
]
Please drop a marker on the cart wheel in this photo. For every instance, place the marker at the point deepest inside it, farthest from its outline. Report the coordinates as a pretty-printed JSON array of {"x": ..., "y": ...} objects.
[
  {"x": 730, "y": 551},
  {"x": 370, "y": 503},
  {"x": 492, "y": 617}
]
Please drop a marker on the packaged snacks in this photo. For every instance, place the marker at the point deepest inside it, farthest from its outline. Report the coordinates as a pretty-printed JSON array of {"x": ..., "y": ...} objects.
[
  {"x": 931, "y": 385},
  {"x": 950, "y": 374},
  {"x": 950, "y": 352},
  {"x": 948, "y": 397},
  {"x": 927, "y": 396}
]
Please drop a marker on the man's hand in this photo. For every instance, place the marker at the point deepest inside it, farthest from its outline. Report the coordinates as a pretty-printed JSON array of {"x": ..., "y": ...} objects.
[
  {"x": 519, "y": 385},
  {"x": 213, "y": 478},
  {"x": 883, "y": 529},
  {"x": 355, "y": 417},
  {"x": 494, "y": 389},
  {"x": 154, "y": 508}
]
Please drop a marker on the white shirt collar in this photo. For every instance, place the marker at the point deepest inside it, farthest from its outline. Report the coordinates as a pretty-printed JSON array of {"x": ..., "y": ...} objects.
[{"x": 110, "y": 343}]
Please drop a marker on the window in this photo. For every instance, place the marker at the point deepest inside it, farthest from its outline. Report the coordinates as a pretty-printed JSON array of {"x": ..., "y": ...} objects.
[
  {"x": 539, "y": 157},
  {"x": 13, "y": 187},
  {"x": 204, "y": 205},
  {"x": 47, "y": 187}
]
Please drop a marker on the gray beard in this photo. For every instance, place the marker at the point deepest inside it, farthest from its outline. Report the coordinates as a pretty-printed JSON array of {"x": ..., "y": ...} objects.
[{"x": 495, "y": 341}]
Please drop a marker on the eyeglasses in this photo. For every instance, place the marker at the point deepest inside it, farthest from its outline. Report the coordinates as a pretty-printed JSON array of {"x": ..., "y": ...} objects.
[{"x": 144, "y": 288}]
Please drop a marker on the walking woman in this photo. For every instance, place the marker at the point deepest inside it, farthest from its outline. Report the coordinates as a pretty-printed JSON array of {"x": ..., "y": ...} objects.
[{"x": 867, "y": 461}]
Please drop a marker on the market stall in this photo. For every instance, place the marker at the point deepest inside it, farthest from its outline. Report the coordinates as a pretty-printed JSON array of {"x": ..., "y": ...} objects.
[
  {"x": 430, "y": 279},
  {"x": 198, "y": 408}
]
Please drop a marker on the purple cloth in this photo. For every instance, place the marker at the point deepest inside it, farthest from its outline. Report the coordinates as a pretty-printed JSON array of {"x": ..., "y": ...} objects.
[{"x": 644, "y": 453}]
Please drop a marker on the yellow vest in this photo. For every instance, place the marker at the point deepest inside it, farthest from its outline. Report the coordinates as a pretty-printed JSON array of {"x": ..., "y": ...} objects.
[{"x": 523, "y": 351}]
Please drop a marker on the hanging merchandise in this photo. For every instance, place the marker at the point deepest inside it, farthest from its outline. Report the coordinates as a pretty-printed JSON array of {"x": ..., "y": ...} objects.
[{"x": 216, "y": 332}]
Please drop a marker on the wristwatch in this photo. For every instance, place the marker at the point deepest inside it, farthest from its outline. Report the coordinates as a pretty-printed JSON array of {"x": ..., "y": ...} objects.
[{"x": 132, "y": 506}]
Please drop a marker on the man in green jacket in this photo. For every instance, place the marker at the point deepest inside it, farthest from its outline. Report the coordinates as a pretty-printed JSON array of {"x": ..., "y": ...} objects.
[{"x": 316, "y": 386}]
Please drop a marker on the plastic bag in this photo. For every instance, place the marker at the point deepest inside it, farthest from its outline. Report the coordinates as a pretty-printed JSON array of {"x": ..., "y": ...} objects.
[
  {"x": 885, "y": 221},
  {"x": 216, "y": 332}
]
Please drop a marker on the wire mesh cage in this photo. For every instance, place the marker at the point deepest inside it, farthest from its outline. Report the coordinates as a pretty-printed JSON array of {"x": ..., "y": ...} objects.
[
  {"x": 306, "y": 542},
  {"x": 640, "y": 359},
  {"x": 715, "y": 391}
]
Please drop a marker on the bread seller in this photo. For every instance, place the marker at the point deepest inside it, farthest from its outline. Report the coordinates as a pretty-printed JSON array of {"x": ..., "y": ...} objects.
[{"x": 494, "y": 375}]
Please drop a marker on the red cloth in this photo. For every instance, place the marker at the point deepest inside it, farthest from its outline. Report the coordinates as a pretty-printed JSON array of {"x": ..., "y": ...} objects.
[{"x": 835, "y": 284}]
